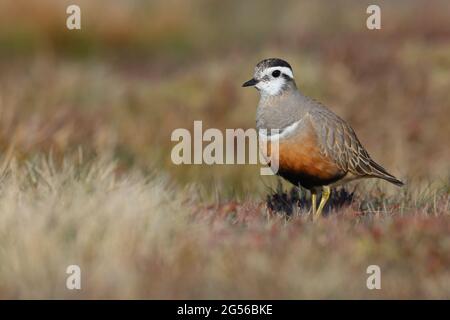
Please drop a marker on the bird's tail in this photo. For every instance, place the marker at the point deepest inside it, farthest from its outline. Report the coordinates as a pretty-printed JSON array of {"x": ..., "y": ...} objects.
[{"x": 380, "y": 172}]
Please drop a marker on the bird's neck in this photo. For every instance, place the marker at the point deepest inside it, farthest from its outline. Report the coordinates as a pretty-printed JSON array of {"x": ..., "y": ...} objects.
[{"x": 280, "y": 111}]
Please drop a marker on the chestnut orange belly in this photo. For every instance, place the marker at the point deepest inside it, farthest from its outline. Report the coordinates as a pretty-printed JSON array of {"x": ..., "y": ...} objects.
[{"x": 301, "y": 161}]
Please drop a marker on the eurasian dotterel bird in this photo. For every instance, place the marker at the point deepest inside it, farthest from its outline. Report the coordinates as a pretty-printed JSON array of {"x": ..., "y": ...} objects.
[{"x": 317, "y": 149}]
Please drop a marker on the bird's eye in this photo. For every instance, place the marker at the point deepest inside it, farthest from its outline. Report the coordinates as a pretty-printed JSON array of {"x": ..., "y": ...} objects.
[{"x": 276, "y": 73}]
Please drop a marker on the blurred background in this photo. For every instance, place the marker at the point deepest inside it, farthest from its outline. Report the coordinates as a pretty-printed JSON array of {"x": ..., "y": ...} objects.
[{"x": 139, "y": 69}]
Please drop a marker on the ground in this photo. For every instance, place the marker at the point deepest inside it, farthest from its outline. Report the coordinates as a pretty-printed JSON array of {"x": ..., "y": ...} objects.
[{"x": 140, "y": 237}]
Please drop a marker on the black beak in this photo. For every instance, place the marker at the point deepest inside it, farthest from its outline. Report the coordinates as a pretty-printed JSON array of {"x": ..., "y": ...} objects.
[{"x": 250, "y": 83}]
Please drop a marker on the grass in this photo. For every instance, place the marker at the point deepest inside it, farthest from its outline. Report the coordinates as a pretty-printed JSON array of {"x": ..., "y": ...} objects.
[
  {"x": 86, "y": 175},
  {"x": 138, "y": 236}
]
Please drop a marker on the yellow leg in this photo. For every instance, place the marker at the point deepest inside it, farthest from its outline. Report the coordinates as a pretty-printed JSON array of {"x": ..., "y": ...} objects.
[
  {"x": 326, "y": 191},
  {"x": 313, "y": 202}
]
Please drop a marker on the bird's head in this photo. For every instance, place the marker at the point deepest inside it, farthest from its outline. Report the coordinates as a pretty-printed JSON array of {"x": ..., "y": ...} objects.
[{"x": 272, "y": 77}]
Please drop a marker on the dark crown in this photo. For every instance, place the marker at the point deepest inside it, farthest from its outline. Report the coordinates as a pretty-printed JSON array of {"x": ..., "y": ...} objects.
[{"x": 272, "y": 62}]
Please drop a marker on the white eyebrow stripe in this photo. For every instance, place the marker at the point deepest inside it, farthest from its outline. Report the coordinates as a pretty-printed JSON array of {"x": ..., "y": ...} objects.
[{"x": 284, "y": 70}]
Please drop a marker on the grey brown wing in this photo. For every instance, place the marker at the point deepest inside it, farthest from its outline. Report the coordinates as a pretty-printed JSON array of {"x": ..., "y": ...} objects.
[{"x": 339, "y": 142}]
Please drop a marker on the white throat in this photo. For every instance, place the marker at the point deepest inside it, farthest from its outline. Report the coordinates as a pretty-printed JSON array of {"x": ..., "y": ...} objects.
[{"x": 271, "y": 88}]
